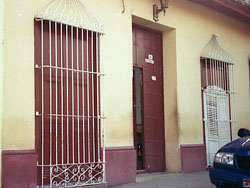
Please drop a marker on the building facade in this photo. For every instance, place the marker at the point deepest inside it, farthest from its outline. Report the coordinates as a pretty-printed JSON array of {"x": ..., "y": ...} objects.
[{"x": 94, "y": 92}]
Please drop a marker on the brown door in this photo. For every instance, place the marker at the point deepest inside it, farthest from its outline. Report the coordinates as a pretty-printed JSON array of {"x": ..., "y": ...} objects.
[{"x": 148, "y": 70}]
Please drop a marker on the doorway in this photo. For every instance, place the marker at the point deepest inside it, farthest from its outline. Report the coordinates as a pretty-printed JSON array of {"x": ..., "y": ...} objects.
[
  {"x": 148, "y": 101},
  {"x": 138, "y": 114}
]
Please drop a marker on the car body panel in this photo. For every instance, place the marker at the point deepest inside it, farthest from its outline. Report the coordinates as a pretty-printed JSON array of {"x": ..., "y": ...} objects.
[{"x": 223, "y": 175}]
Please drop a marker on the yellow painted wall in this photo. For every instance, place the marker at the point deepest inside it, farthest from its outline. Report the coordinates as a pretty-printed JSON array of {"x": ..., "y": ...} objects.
[
  {"x": 18, "y": 96},
  {"x": 173, "y": 156},
  {"x": 192, "y": 27},
  {"x": 1, "y": 80}
]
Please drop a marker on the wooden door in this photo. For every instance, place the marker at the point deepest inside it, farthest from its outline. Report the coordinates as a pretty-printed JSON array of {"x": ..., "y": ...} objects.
[{"x": 147, "y": 53}]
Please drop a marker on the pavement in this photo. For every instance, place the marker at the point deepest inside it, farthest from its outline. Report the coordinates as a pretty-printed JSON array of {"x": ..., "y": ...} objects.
[{"x": 171, "y": 180}]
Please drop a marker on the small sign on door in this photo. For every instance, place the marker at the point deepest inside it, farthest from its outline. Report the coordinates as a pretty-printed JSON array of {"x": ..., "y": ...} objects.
[
  {"x": 150, "y": 59},
  {"x": 153, "y": 78}
]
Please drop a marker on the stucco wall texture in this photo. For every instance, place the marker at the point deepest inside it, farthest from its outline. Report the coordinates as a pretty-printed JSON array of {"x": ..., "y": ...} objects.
[
  {"x": 1, "y": 78},
  {"x": 186, "y": 28}
]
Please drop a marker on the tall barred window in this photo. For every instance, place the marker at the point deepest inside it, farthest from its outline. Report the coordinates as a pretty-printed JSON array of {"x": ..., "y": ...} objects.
[
  {"x": 68, "y": 90},
  {"x": 218, "y": 96}
]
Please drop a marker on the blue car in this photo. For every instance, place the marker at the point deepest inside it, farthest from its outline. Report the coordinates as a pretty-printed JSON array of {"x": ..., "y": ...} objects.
[{"x": 231, "y": 167}]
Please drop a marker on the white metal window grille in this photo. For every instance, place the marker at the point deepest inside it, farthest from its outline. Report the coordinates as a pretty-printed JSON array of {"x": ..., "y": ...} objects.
[
  {"x": 69, "y": 99},
  {"x": 218, "y": 96},
  {"x": 217, "y": 120}
]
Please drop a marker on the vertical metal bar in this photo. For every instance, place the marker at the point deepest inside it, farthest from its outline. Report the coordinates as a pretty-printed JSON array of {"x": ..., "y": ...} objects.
[
  {"x": 233, "y": 98},
  {"x": 230, "y": 101},
  {"x": 93, "y": 96},
  {"x": 206, "y": 113},
  {"x": 223, "y": 76},
  {"x": 214, "y": 80},
  {"x": 215, "y": 77},
  {"x": 211, "y": 67},
  {"x": 88, "y": 93},
  {"x": 222, "y": 94},
  {"x": 97, "y": 95},
  {"x": 219, "y": 97},
  {"x": 210, "y": 94},
  {"x": 78, "y": 113},
  {"x": 214, "y": 99},
  {"x": 67, "y": 81},
  {"x": 83, "y": 106},
  {"x": 102, "y": 109},
  {"x": 50, "y": 102},
  {"x": 73, "y": 110},
  {"x": 230, "y": 90},
  {"x": 42, "y": 103},
  {"x": 228, "y": 79},
  {"x": 210, "y": 64},
  {"x": 62, "y": 91},
  {"x": 220, "y": 71},
  {"x": 231, "y": 80},
  {"x": 206, "y": 72},
  {"x": 212, "y": 73},
  {"x": 56, "y": 91},
  {"x": 216, "y": 73}
]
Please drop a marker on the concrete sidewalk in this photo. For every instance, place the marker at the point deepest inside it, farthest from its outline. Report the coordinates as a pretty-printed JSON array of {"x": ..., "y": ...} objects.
[{"x": 171, "y": 180}]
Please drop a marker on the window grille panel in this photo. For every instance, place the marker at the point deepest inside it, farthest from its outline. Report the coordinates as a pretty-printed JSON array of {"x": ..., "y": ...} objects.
[
  {"x": 218, "y": 105},
  {"x": 217, "y": 82},
  {"x": 69, "y": 110}
]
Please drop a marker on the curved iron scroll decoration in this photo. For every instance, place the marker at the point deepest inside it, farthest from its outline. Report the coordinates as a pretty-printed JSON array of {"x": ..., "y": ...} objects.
[
  {"x": 73, "y": 175},
  {"x": 70, "y": 12},
  {"x": 213, "y": 50}
]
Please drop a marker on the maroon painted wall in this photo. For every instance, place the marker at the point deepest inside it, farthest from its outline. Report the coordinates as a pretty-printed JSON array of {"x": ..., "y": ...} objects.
[
  {"x": 19, "y": 169},
  {"x": 193, "y": 157},
  {"x": 121, "y": 165}
]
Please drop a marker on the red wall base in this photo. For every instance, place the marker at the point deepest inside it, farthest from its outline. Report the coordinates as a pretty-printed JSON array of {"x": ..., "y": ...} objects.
[
  {"x": 121, "y": 165},
  {"x": 19, "y": 169},
  {"x": 193, "y": 158}
]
